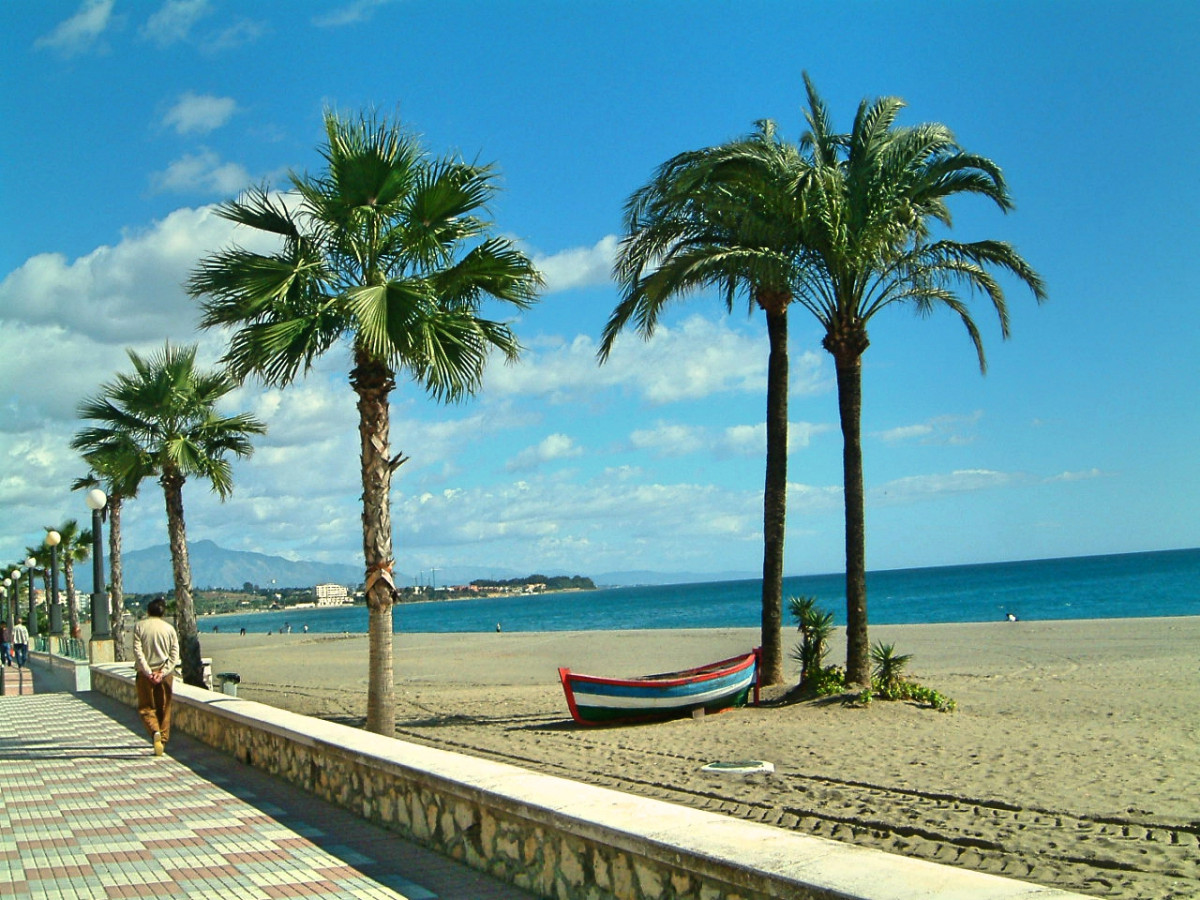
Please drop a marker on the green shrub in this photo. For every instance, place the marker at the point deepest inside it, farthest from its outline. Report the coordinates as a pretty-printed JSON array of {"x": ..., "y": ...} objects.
[{"x": 887, "y": 678}]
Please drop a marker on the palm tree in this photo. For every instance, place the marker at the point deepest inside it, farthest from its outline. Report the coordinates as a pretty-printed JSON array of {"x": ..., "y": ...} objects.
[
  {"x": 391, "y": 250},
  {"x": 123, "y": 465},
  {"x": 76, "y": 546},
  {"x": 41, "y": 557},
  {"x": 167, "y": 408},
  {"x": 726, "y": 217},
  {"x": 873, "y": 201}
]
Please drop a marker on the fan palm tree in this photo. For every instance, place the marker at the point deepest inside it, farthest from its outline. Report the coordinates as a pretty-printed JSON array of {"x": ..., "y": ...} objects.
[
  {"x": 75, "y": 546},
  {"x": 391, "y": 251},
  {"x": 874, "y": 199},
  {"x": 726, "y": 217},
  {"x": 167, "y": 409},
  {"x": 123, "y": 466}
]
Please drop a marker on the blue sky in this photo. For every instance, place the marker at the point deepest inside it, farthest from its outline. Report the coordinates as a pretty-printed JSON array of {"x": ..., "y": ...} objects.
[{"x": 127, "y": 120}]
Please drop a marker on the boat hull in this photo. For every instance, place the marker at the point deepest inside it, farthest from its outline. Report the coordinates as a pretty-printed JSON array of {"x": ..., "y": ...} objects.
[{"x": 594, "y": 700}]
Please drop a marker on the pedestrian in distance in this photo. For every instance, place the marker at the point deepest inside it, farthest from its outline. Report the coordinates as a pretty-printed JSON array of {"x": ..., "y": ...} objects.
[
  {"x": 20, "y": 638},
  {"x": 6, "y": 657},
  {"x": 156, "y": 653}
]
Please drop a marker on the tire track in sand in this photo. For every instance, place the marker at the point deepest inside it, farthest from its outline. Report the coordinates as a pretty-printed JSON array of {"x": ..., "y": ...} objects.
[{"x": 1133, "y": 857}]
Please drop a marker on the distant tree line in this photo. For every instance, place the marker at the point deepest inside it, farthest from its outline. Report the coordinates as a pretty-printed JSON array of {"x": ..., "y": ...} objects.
[{"x": 552, "y": 583}]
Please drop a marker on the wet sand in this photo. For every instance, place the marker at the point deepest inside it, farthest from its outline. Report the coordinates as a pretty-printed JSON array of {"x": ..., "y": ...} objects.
[{"x": 1073, "y": 758}]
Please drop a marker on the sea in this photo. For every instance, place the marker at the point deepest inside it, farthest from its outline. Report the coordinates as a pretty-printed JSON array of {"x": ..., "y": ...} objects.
[{"x": 1128, "y": 585}]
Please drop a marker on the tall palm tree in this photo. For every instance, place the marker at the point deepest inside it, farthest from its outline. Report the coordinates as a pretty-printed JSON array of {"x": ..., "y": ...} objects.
[
  {"x": 726, "y": 217},
  {"x": 76, "y": 546},
  {"x": 168, "y": 409},
  {"x": 123, "y": 466},
  {"x": 390, "y": 250},
  {"x": 875, "y": 207}
]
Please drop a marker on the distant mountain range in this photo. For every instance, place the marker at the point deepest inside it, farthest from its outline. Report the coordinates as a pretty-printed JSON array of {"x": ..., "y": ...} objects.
[{"x": 148, "y": 571}]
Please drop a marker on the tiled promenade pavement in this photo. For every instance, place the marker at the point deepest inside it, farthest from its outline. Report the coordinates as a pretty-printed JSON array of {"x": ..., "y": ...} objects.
[{"x": 87, "y": 811}]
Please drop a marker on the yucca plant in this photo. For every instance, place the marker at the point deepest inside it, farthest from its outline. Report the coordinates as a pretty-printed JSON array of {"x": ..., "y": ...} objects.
[
  {"x": 815, "y": 625},
  {"x": 889, "y": 669}
]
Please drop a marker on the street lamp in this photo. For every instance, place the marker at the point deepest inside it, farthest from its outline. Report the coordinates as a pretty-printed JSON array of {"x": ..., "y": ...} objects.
[
  {"x": 53, "y": 538},
  {"x": 5, "y": 605},
  {"x": 31, "y": 623},
  {"x": 96, "y": 500},
  {"x": 15, "y": 575}
]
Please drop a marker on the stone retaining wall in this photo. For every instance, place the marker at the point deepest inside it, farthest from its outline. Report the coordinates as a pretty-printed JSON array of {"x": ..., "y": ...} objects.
[{"x": 555, "y": 837}]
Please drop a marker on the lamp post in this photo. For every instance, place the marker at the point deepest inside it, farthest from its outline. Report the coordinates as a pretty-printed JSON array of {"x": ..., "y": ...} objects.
[
  {"x": 101, "y": 644},
  {"x": 14, "y": 607},
  {"x": 32, "y": 623},
  {"x": 8, "y": 605},
  {"x": 52, "y": 539}
]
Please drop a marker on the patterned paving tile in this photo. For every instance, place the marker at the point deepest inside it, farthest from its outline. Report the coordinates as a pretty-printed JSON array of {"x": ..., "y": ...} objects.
[{"x": 88, "y": 811}]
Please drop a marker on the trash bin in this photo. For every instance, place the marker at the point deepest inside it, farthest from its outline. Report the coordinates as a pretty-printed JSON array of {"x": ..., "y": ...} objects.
[
  {"x": 229, "y": 682},
  {"x": 206, "y": 671}
]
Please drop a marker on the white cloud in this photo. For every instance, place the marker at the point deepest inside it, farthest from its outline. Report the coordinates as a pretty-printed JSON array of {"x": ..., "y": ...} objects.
[
  {"x": 667, "y": 439},
  {"x": 948, "y": 429},
  {"x": 696, "y": 359},
  {"x": 1084, "y": 475},
  {"x": 670, "y": 440},
  {"x": 751, "y": 440},
  {"x": 199, "y": 113},
  {"x": 80, "y": 32},
  {"x": 238, "y": 34},
  {"x": 201, "y": 172},
  {"x": 905, "y": 433},
  {"x": 129, "y": 293},
  {"x": 608, "y": 522},
  {"x": 552, "y": 447},
  {"x": 579, "y": 266},
  {"x": 351, "y": 14},
  {"x": 918, "y": 487},
  {"x": 174, "y": 20}
]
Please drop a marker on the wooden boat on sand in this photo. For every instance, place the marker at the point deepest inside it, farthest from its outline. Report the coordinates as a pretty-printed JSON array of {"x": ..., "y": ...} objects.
[{"x": 594, "y": 700}]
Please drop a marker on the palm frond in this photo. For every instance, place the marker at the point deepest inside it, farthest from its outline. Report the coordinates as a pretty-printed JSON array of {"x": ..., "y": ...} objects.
[
  {"x": 259, "y": 209},
  {"x": 493, "y": 269}
]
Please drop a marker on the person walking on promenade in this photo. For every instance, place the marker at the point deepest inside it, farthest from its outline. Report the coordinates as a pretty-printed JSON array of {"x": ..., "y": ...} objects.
[
  {"x": 20, "y": 638},
  {"x": 5, "y": 646},
  {"x": 156, "y": 652}
]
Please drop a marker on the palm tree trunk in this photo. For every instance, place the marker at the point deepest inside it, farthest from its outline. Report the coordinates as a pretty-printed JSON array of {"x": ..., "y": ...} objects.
[
  {"x": 181, "y": 569},
  {"x": 45, "y": 609},
  {"x": 373, "y": 381},
  {"x": 775, "y": 498},
  {"x": 72, "y": 600},
  {"x": 116, "y": 577},
  {"x": 848, "y": 363}
]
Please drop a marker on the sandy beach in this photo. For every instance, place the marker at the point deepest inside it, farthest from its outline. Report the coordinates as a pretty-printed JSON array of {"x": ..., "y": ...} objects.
[{"x": 1073, "y": 758}]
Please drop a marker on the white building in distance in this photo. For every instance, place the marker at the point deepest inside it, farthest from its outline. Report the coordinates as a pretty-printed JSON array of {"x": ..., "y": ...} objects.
[{"x": 332, "y": 595}]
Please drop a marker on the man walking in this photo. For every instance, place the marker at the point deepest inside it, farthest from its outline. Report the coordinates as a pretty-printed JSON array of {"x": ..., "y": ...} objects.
[
  {"x": 156, "y": 652},
  {"x": 21, "y": 643}
]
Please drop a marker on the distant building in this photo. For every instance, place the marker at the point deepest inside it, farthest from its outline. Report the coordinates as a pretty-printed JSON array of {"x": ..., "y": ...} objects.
[{"x": 332, "y": 595}]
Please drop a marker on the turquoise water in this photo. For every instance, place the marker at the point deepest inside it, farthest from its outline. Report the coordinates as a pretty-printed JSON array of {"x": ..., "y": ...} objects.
[{"x": 1131, "y": 585}]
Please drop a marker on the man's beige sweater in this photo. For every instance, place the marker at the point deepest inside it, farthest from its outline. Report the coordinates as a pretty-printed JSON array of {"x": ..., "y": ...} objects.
[{"x": 155, "y": 646}]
